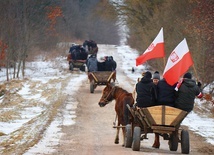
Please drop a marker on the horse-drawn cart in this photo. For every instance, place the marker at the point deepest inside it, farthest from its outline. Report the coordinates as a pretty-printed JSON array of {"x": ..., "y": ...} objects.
[
  {"x": 80, "y": 64},
  {"x": 162, "y": 120},
  {"x": 101, "y": 78}
]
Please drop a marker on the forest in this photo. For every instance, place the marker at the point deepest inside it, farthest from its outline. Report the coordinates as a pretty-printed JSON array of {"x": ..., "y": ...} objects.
[{"x": 27, "y": 25}]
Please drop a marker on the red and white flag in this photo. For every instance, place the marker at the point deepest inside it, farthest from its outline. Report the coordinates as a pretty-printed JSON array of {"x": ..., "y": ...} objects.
[
  {"x": 155, "y": 50},
  {"x": 178, "y": 63}
]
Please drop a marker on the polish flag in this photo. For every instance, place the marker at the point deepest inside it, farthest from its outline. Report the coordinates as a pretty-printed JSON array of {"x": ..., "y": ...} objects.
[
  {"x": 155, "y": 50},
  {"x": 178, "y": 63}
]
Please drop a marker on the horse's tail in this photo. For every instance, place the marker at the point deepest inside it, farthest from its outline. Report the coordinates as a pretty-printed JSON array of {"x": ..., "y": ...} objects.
[{"x": 127, "y": 115}]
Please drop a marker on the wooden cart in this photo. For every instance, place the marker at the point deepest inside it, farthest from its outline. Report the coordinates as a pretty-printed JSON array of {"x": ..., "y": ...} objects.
[
  {"x": 101, "y": 78},
  {"x": 80, "y": 64},
  {"x": 164, "y": 120}
]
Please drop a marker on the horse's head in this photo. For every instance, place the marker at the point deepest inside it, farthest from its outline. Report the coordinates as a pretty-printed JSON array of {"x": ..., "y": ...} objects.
[{"x": 107, "y": 95}]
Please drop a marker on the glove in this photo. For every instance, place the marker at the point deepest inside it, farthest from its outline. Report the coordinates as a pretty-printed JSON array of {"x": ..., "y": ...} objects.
[{"x": 199, "y": 84}]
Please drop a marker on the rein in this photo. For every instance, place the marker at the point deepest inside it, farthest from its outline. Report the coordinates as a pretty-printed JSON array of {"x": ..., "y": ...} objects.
[{"x": 111, "y": 92}]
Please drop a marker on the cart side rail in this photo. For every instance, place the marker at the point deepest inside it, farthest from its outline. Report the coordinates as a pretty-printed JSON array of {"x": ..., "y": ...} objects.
[
  {"x": 102, "y": 76},
  {"x": 163, "y": 115}
]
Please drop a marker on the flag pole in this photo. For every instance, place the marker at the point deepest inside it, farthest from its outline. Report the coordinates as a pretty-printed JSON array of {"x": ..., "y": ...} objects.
[
  {"x": 164, "y": 61},
  {"x": 195, "y": 72}
]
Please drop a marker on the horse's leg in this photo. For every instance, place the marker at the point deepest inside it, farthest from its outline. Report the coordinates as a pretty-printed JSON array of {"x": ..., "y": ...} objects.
[
  {"x": 116, "y": 141},
  {"x": 156, "y": 141},
  {"x": 123, "y": 129}
]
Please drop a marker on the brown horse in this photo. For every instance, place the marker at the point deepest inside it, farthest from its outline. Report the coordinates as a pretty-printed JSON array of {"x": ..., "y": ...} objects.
[{"x": 122, "y": 98}]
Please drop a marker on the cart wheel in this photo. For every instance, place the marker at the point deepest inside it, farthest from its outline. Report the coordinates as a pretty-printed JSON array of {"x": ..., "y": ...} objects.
[
  {"x": 82, "y": 68},
  {"x": 184, "y": 142},
  {"x": 173, "y": 142},
  {"x": 128, "y": 136},
  {"x": 136, "y": 139},
  {"x": 92, "y": 86},
  {"x": 71, "y": 67}
]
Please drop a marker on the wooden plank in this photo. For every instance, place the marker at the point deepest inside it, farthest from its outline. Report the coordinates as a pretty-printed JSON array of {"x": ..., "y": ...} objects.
[
  {"x": 154, "y": 114},
  {"x": 172, "y": 111},
  {"x": 169, "y": 119},
  {"x": 164, "y": 115},
  {"x": 162, "y": 131},
  {"x": 95, "y": 78},
  {"x": 163, "y": 128},
  {"x": 109, "y": 78},
  {"x": 102, "y": 76},
  {"x": 119, "y": 126},
  {"x": 157, "y": 118},
  {"x": 179, "y": 118},
  {"x": 148, "y": 116},
  {"x": 142, "y": 118}
]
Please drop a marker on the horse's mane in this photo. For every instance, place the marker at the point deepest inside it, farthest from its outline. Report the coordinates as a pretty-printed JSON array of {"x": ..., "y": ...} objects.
[{"x": 120, "y": 89}]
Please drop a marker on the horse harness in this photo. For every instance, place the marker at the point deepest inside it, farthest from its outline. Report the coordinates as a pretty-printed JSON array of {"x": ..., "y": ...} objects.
[{"x": 110, "y": 93}]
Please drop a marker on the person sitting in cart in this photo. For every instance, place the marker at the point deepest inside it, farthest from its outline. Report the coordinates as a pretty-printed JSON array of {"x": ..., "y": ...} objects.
[
  {"x": 165, "y": 96},
  {"x": 166, "y": 93},
  {"x": 110, "y": 64},
  {"x": 78, "y": 53},
  {"x": 187, "y": 90},
  {"x": 146, "y": 92},
  {"x": 156, "y": 77},
  {"x": 101, "y": 64},
  {"x": 134, "y": 94},
  {"x": 92, "y": 63},
  {"x": 90, "y": 46}
]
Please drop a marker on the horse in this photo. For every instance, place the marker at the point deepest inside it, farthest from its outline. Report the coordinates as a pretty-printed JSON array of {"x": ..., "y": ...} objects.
[{"x": 122, "y": 98}]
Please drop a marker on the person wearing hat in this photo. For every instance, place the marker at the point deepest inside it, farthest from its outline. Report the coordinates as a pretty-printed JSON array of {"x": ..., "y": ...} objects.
[
  {"x": 165, "y": 96},
  {"x": 187, "y": 90},
  {"x": 156, "y": 77},
  {"x": 134, "y": 94},
  {"x": 92, "y": 63},
  {"x": 166, "y": 93},
  {"x": 145, "y": 89}
]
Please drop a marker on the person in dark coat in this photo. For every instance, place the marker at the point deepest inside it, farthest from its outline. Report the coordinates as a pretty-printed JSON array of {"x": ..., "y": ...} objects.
[
  {"x": 187, "y": 90},
  {"x": 114, "y": 64},
  {"x": 101, "y": 64},
  {"x": 145, "y": 89},
  {"x": 166, "y": 93},
  {"x": 110, "y": 64},
  {"x": 165, "y": 96},
  {"x": 92, "y": 63}
]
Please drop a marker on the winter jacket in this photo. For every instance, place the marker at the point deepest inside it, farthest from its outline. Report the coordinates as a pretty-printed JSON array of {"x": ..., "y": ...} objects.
[
  {"x": 145, "y": 93},
  {"x": 101, "y": 66},
  {"x": 92, "y": 64},
  {"x": 110, "y": 64},
  {"x": 166, "y": 93},
  {"x": 186, "y": 94}
]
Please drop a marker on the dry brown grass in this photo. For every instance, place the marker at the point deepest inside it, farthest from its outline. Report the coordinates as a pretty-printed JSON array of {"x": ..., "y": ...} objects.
[
  {"x": 208, "y": 97},
  {"x": 46, "y": 55},
  {"x": 2, "y": 89},
  {"x": 9, "y": 116}
]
